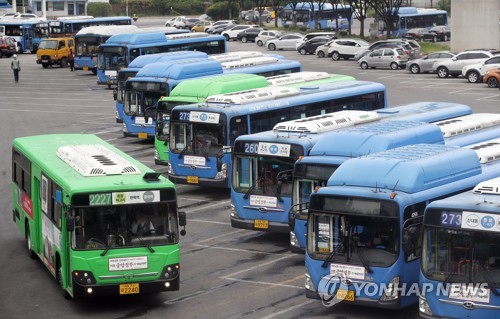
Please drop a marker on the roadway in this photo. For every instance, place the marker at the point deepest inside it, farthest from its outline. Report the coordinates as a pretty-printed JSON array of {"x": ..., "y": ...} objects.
[{"x": 225, "y": 272}]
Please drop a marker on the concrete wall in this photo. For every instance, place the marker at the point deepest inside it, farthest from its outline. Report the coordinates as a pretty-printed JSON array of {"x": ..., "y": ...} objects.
[{"x": 475, "y": 24}]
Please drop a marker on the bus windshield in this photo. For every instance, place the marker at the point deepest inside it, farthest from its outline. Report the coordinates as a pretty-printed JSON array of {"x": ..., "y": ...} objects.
[
  {"x": 308, "y": 177},
  {"x": 48, "y": 44},
  {"x": 461, "y": 256},
  {"x": 125, "y": 226},
  {"x": 112, "y": 58},
  {"x": 263, "y": 175},
  {"x": 139, "y": 95},
  {"x": 163, "y": 118},
  {"x": 355, "y": 230},
  {"x": 197, "y": 138},
  {"x": 87, "y": 45}
]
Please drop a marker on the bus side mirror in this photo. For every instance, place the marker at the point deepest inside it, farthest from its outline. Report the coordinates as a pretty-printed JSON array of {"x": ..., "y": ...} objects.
[
  {"x": 291, "y": 220},
  {"x": 70, "y": 223},
  {"x": 182, "y": 222}
]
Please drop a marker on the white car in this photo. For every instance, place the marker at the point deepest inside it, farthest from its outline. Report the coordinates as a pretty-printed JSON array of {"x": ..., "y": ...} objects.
[
  {"x": 346, "y": 48},
  {"x": 232, "y": 33},
  {"x": 475, "y": 72},
  {"x": 265, "y": 36},
  {"x": 174, "y": 20},
  {"x": 455, "y": 65},
  {"x": 285, "y": 42}
]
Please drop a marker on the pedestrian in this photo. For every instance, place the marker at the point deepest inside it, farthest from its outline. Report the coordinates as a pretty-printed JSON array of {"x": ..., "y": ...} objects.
[
  {"x": 71, "y": 59},
  {"x": 15, "y": 65}
]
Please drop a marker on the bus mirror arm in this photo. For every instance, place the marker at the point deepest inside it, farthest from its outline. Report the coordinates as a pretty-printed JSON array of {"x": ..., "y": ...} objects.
[
  {"x": 70, "y": 223},
  {"x": 182, "y": 222}
]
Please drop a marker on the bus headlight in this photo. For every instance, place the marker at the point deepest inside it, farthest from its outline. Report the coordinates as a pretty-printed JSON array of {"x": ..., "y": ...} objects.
[
  {"x": 233, "y": 211},
  {"x": 308, "y": 283},
  {"x": 423, "y": 306},
  {"x": 156, "y": 155},
  {"x": 84, "y": 277},
  {"x": 170, "y": 272},
  {"x": 169, "y": 169},
  {"x": 125, "y": 127},
  {"x": 222, "y": 174},
  {"x": 392, "y": 290}
]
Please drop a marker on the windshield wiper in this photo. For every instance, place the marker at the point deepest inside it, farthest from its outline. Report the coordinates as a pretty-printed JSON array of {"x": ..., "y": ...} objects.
[
  {"x": 148, "y": 245},
  {"x": 488, "y": 279},
  {"x": 449, "y": 278},
  {"x": 363, "y": 260},
  {"x": 108, "y": 247},
  {"x": 250, "y": 190},
  {"x": 330, "y": 256}
]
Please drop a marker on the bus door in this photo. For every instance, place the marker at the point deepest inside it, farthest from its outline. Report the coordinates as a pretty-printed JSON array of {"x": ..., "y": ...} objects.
[{"x": 28, "y": 37}]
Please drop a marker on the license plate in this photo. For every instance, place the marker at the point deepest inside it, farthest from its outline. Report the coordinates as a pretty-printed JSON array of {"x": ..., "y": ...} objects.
[
  {"x": 346, "y": 295},
  {"x": 85, "y": 68},
  {"x": 261, "y": 224},
  {"x": 44, "y": 61},
  {"x": 143, "y": 135},
  {"x": 127, "y": 289},
  {"x": 192, "y": 179}
]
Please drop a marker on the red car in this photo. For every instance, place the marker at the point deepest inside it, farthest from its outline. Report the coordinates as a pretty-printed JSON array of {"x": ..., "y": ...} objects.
[
  {"x": 8, "y": 46},
  {"x": 416, "y": 34}
]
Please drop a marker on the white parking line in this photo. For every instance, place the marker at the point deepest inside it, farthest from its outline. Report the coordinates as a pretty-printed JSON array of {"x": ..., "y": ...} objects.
[
  {"x": 264, "y": 283},
  {"x": 45, "y": 111},
  {"x": 234, "y": 274},
  {"x": 221, "y": 235},
  {"x": 209, "y": 222},
  {"x": 279, "y": 313},
  {"x": 242, "y": 251},
  {"x": 208, "y": 206}
]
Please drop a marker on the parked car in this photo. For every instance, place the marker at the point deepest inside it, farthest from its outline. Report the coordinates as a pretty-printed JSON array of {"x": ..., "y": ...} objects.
[
  {"x": 54, "y": 51},
  {"x": 188, "y": 23},
  {"x": 248, "y": 35},
  {"x": 232, "y": 33},
  {"x": 346, "y": 48},
  {"x": 474, "y": 72},
  {"x": 322, "y": 50},
  {"x": 438, "y": 33},
  {"x": 9, "y": 15},
  {"x": 266, "y": 35},
  {"x": 253, "y": 16},
  {"x": 393, "y": 58},
  {"x": 425, "y": 63},
  {"x": 27, "y": 16},
  {"x": 200, "y": 26},
  {"x": 309, "y": 47},
  {"x": 285, "y": 42},
  {"x": 492, "y": 78},
  {"x": 170, "y": 22},
  {"x": 415, "y": 34},
  {"x": 312, "y": 35},
  {"x": 219, "y": 26},
  {"x": 455, "y": 65},
  {"x": 411, "y": 46},
  {"x": 8, "y": 46}
]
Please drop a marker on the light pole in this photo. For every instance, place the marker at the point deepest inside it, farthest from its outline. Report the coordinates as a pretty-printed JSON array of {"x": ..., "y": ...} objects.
[{"x": 126, "y": 8}]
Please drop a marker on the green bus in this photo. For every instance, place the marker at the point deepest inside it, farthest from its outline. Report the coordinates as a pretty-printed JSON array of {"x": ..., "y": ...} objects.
[
  {"x": 197, "y": 90},
  {"x": 101, "y": 222}
]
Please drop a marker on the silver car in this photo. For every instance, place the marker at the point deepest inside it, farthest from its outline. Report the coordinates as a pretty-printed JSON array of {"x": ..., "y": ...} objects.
[
  {"x": 425, "y": 63},
  {"x": 393, "y": 58}
]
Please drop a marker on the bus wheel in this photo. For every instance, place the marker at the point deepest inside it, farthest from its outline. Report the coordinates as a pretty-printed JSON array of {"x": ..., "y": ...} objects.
[
  {"x": 19, "y": 48},
  {"x": 64, "y": 63},
  {"x": 31, "y": 253}
]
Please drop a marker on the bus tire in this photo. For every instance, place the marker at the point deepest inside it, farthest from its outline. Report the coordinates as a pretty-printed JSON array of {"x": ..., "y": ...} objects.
[
  {"x": 60, "y": 281},
  {"x": 64, "y": 62},
  {"x": 31, "y": 253},
  {"x": 19, "y": 48}
]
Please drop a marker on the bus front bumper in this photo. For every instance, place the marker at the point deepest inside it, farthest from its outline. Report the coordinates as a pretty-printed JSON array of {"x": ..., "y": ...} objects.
[
  {"x": 274, "y": 227},
  {"x": 360, "y": 301},
  {"x": 91, "y": 291},
  {"x": 219, "y": 183}
]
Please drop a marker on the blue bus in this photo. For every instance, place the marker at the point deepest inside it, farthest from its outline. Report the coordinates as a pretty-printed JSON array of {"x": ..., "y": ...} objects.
[
  {"x": 411, "y": 17},
  {"x": 28, "y": 33},
  {"x": 363, "y": 229},
  {"x": 69, "y": 26},
  {"x": 134, "y": 67},
  {"x": 121, "y": 49},
  {"x": 461, "y": 128},
  {"x": 460, "y": 269},
  {"x": 156, "y": 80},
  {"x": 304, "y": 15},
  {"x": 202, "y": 135},
  {"x": 88, "y": 40}
]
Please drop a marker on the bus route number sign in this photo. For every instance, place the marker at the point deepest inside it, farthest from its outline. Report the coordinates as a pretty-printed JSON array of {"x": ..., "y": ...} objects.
[{"x": 100, "y": 199}]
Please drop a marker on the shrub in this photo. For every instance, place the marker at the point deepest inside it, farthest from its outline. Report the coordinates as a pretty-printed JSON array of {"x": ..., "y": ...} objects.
[{"x": 99, "y": 9}]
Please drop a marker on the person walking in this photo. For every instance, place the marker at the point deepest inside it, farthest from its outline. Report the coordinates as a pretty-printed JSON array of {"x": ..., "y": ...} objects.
[
  {"x": 71, "y": 59},
  {"x": 15, "y": 65}
]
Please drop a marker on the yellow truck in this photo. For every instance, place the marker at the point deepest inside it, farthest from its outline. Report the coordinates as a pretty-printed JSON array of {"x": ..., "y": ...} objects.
[{"x": 54, "y": 51}]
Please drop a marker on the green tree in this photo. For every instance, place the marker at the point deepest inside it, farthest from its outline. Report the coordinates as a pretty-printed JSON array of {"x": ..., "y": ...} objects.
[
  {"x": 445, "y": 5},
  {"x": 219, "y": 10},
  {"x": 99, "y": 9},
  {"x": 386, "y": 11}
]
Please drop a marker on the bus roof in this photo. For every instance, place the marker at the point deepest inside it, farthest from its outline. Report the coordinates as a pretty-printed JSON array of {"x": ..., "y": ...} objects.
[
  {"x": 81, "y": 19},
  {"x": 143, "y": 60},
  {"x": 254, "y": 102},
  {"x": 79, "y": 165},
  {"x": 412, "y": 11},
  {"x": 136, "y": 39},
  {"x": 107, "y": 30},
  {"x": 409, "y": 169},
  {"x": 216, "y": 84},
  {"x": 307, "y": 6},
  {"x": 179, "y": 69},
  {"x": 376, "y": 137},
  {"x": 426, "y": 111},
  {"x": 468, "y": 123}
]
